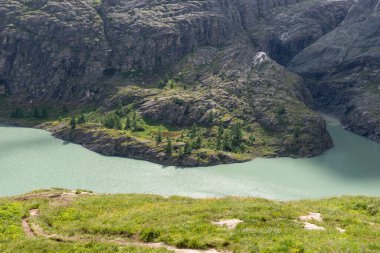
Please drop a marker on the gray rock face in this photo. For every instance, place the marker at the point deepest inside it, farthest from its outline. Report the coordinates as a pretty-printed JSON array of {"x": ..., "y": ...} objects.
[
  {"x": 53, "y": 49},
  {"x": 287, "y": 31},
  {"x": 344, "y": 69},
  {"x": 50, "y": 49}
]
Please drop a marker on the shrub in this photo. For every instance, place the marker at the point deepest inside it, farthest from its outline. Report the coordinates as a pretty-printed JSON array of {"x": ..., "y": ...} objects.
[
  {"x": 178, "y": 101},
  {"x": 149, "y": 235}
]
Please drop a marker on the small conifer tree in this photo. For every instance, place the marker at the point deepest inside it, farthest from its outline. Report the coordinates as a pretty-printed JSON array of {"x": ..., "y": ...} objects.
[
  {"x": 198, "y": 142},
  {"x": 81, "y": 120},
  {"x": 169, "y": 148},
  {"x": 159, "y": 137},
  {"x": 187, "y": 149},
  {"x": 128, "y": 123},
  {"x": 180, "y": 152},
  {"x": 194, "y": 131},
  {"x": 44, "y": 113},
  {"x": 73, "y": 122}
]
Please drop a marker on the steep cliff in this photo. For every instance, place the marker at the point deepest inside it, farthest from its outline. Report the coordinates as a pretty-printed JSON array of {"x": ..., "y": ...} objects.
[
  {"x": 63, "y": 50},
  {"x": 343, "y": 68}
]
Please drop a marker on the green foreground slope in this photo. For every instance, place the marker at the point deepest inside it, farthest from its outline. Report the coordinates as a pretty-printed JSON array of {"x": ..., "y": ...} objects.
[{"x": 74, "y": 222}]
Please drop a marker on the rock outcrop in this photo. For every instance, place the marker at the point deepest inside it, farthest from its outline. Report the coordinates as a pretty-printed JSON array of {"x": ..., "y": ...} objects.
[
  {"x": 343, "y": 68},
  {"x": 96, "y": 139}
]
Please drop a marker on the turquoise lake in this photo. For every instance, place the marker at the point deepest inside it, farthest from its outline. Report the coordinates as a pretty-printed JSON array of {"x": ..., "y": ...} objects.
[{"x": 32, "y": 159}]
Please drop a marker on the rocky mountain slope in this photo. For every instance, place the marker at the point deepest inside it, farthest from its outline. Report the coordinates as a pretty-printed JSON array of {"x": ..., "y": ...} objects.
[
  {"x": 174, "y": 64},
  {"x": 343, "y": 68}
]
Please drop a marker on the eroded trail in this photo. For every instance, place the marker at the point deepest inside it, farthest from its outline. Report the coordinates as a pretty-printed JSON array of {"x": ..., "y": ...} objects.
[{"x": 32, "y": 229}]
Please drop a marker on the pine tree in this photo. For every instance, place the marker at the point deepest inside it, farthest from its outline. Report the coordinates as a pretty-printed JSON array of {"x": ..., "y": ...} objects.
[
  {"x": 194, "y": 131},
  {"x": 226, "y": 141},
  {"x": 236, "y": 136},
  {"x": 17, "y": 113},
  {"x": 36, "y": 112},
  {"x": 297, "y": 132},
  {"x": 119, "y": 110},
  {"x": 134, "y": 116},
  {"x": 73, "y": 122},
  {"x": 219, "y": 143},
  {"x": 44, "y": 113},
  {"x": 161, "y": 84},
  {"x": 112, "y": 121},
  {"x": 219, "y": 138},
  {"x": 180, "y": 152},
  {"x": 187, "y": 149},
  {"x": 81, "y": 120},
  {"x": 65, "y": 109},
  {"x": 169, "y": 147},
  {"x": 171, "y": 84},
  {"x": 198, "y": 142},
  {"x": 134, "y": 125},
  {"x": 211, "y": 117},
  {"x": 134, "y": 121},
  {"x": 159, "y": 137},
  {"x": 252, "y": 139},
  {"x": 118, "y": 124},
  {"x": 128, "y": 123}
]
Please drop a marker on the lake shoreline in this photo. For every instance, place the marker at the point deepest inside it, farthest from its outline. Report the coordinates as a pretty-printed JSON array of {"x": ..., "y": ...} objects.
[{"x": 102, "y": 143}]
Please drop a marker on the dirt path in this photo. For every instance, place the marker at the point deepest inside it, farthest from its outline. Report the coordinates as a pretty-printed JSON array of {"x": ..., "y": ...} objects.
[
  {"x": 27, "y": 229},
  {"x": 32, "y": 229}
]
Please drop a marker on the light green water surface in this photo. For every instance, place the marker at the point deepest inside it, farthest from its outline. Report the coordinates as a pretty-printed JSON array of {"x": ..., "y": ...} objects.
[{"x": 32, "y": 159}]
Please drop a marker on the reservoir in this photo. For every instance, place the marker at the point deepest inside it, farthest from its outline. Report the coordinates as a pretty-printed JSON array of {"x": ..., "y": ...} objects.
[{"x": 32, "y": 159}]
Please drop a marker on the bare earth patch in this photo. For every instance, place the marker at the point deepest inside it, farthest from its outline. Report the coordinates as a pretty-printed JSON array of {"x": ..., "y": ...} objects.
[
  {"x": 311, "y": 216},
  {"x": 340, "y": 229},
  {"x": 309, "y": 226},
  {"x": 231, "y": 224},
  {"x": 27, "y": 229}
]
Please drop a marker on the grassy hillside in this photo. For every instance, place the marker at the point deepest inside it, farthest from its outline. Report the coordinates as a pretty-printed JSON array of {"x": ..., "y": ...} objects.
[{"x": 74, "y": 222}]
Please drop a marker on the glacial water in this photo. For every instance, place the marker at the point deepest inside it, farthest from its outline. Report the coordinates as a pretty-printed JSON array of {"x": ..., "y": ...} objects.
[{"x": 32, "y": 159}]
